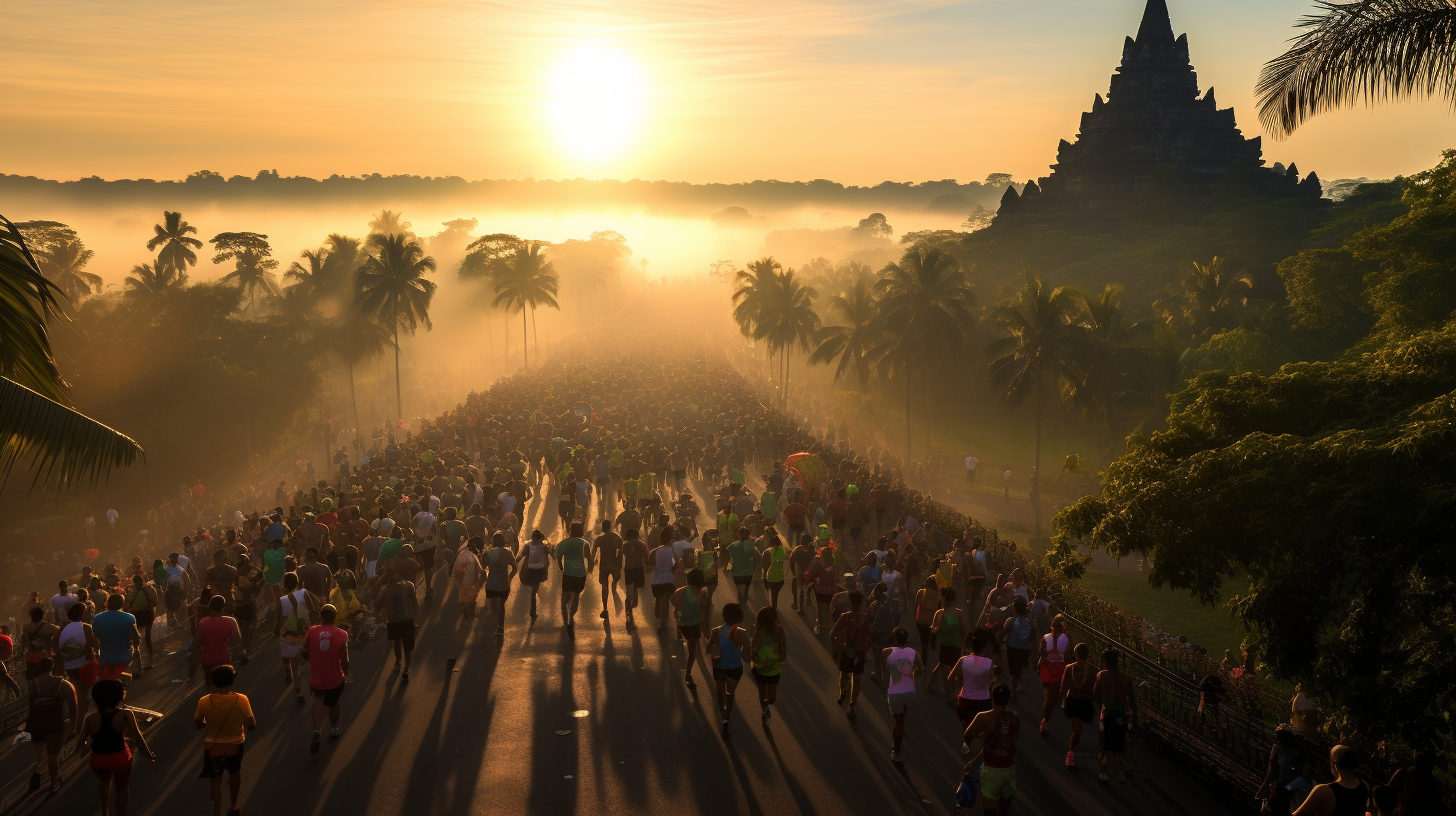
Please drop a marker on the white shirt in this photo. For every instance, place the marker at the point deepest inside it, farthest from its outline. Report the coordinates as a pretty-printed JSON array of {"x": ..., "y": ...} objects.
[
  {"x": 507, "y": 503},
  {"x": 972, "y": 463},
  {"x": 424, "y": 523}
]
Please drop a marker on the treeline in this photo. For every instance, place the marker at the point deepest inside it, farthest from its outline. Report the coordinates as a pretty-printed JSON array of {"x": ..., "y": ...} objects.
[{"x": 208, "y": 187}]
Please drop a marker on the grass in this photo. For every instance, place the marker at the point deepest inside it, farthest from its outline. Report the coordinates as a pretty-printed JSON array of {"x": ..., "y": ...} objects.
[{"x": 1173, "y": 611}]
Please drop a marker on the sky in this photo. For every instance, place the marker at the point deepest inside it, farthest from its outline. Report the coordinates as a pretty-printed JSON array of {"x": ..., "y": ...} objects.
[{"x": 857, "y": 92}]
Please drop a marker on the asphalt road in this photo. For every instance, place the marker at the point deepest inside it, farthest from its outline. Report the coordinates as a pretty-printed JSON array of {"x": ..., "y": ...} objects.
[{"x": 535, "y": 722}]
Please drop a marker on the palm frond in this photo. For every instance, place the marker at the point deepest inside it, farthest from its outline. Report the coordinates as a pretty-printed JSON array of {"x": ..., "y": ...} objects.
[
  {"x": 62, "y": 446},
  {"x": 1370, "y": 51},
  {"x": 27, "y": 303}
]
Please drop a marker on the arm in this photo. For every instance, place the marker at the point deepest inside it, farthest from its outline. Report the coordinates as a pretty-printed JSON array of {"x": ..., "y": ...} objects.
[
  {"x": 136, "y": 735},
  {"x": 344, "y": 656},
  {"x": 1321, "y": 802}
]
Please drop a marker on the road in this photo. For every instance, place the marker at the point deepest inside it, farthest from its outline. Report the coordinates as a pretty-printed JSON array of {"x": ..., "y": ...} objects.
[{"x": 534, "y": 722}]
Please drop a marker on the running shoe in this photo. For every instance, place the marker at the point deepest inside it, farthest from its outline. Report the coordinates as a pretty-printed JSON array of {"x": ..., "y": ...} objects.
[
  {"x": 313, "y": 747},
  {"x": 965, "y": 748},
  {"x": 1043, "y": 728},
  {"x": 816, "y": 628},
  {"x": 603, "y": 614},
  {"x": 894, "y": 754},
  {"x": 404, "y": 677},
  {"x": 334, "y": 732},
  {"x": 767, "y": 714},
  {"x": 1071, "y": 761}
]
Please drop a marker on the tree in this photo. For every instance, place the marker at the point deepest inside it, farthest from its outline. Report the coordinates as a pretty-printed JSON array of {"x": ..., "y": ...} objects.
[
  {"x": 37, "y": 425},
  {"x": 309, "y": 279},
  {"x": 391, "y": 287},
  {"x": 252, "y": 264},
  {"x": 354, "y": 337},
  {"x": 925, "y": 311},
  {"x": 1212, "y": 299},
  {"x": 786, "y": 319},
  {"x": 527, "y": 281},
  {"x": 1108, "y": 356},
  {"x": 176, "y": 248},
  {"x": 486, "y": 260},
  {"x": 1330, "y": 486},
  {"x": 62, "y": 257},
  {"x": 855, "y": 338},
  {"x": 388, "y": 222},
  {"x": 153, "y": 279},
  {"x": 875, "y": 225},
  {"x": 753, "y": 287},
  {"x": 1035, "y": 353},
  {"x": 1371, "y": 50}
]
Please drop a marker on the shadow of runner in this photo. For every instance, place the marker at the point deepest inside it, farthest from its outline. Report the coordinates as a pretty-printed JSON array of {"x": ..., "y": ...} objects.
[{"x": 555, "y": 758}]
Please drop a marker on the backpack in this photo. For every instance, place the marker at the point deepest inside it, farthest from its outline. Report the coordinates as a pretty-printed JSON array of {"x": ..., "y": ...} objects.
[
  {"x": 295, "y": 624},
  {"x": 969, "y": 791}
]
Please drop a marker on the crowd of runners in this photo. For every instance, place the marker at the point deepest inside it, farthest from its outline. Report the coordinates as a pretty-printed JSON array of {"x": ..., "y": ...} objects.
[{"x": 444, "y": 515}]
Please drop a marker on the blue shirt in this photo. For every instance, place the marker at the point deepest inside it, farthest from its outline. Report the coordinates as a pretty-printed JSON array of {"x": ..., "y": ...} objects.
[
  {"x": 276, "y": 531},
  {"x": 113, "y": 629}
]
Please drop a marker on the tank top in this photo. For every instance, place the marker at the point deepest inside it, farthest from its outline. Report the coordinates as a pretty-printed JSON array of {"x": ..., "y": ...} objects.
[
  {"x": 729, "y": 655},
  {"x": 776, "y": 563},
  {"x": 976, "y": 676},
  {"x": 1020, "y": 636},
  {"x": 925, "y": 612},
  {"x": 536, "y": 555},
  {"x": 47, "y": 711},
  {"x": 1056, "y": 651},
  {"x": 887, "y": 614},
  {"x": 73, "y": 645},
  {"x": 901, "y": 664},
  {"x": 706, "y": 563},
  {"x": 139, "y": 600},
  {"x": 768, "y": 662},
  {"x": 692, "y": 608},
  {"x": 999, "y": 749},
  {"x": 1349, "y": 801},
  {"x": 107, "y": 740},
  {"x": 950, "y": 630}
]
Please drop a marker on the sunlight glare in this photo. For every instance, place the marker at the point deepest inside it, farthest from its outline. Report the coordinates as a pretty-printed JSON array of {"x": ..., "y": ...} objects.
[{"x": 595, "y": 100}]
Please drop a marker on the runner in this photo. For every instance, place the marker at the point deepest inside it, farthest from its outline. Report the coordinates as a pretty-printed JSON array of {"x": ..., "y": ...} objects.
[
  {"x": 691, "y": 609},
  {"x": 974, "y": 674},
  {"x": 634, "y": 571},
  {"x": 997, "y": 729},
  {"x": 1051, "y": 664},
  {"x": 799, "y": 558},
  {"x": 227, "y": 716},
  {"x": 575, "y": 560},
  {"x": 725, "y": 646},
  {"x": 768, "y": 650},
  {"x": 290, "y": 625},
  {"x": 743, "y": 562},
  {"x": 468, "y": 578},
  {"x": 663, "y": 560},
  {"x": 422, "y": 524},
  {"x": 399, "y": 605},
  {"x": 117, "y": 636},
  {"x": 500, "y": 567},
  {"x": 51, "y": 696},
  {"x": 104, "y": 733},
  {"x": 245, "y": 604},
  {"x": 825, "y": 581},
  {"x": 850, "y": 637},
  {"x": 1018, "y": 636},
  {"x": 535, "y": 563},
  {"x": 1114, "y": 690},
  {"x": 884, "y": 615},
  {"x": 945, "y": 627},
  {"x": 772, "y": 561},
  {"x": 1347, "y": 795},
  {"x": 38, "y": 638},
  {"x": 1079, "y": 680},
  {"x": 326, "y": 648},
  {"x": 608, "y": 552},
  {"x": 76, "y": 647},
  {"x": 927, "y": 604},
  {"x": 214, "y": 633},
  {"x": 903, "y": 665},
  {"x": 141, "y": 602}
]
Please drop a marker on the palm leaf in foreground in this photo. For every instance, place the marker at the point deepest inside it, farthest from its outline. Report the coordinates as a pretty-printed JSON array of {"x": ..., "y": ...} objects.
[
  {"x": 63, "y": 447},
  {"x": 1370, "y": 51}
]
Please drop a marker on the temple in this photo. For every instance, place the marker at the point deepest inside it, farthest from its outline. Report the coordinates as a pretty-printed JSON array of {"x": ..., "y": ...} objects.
[{"x": 1154, "y": 137}]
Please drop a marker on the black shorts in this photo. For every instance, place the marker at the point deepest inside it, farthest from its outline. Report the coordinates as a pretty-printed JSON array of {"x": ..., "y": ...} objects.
[
  {"x": 1080, "y": 710},
  {"x": 690, "y": 631},
  {"x": 604, "y": 572},
  {"x": 765, "y": 679},
  {"x": 773, "y": 584},
  {"x": 402, "y": 630},
  {"x": 245, "y": 612},
  {"x": 533, "y": 576},
  {"x": 573, "y": 583},
  {"x": 949, "y": 654},
  {"x": 331, "y": 696},
  {"x": 735, "y": 674},
  {"x": 214, "y": 766},
  {"x": 635, "y": 576},
  {"x": 854, "y": 665},
  {"x": 427, "y": 557},
  {"x": 743, "y": 580},
  {"x": 838, "y": 524},
  {"x": 662, "y": 590},
  {"x": 145, "y": 617},
  {"x": 497, "y": 593},
  {"x": 1016, "y": 659}
]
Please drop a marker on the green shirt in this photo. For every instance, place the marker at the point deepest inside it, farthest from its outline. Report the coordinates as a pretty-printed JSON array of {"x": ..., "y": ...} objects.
[
  {"x": 388, "y": 550},
  {"x": 741, "y": 557},
  {"x": 775, "y": 571},
  {"x": 452, "y": 532},
  {"x": 770, "y": 504},
  {"x": 572, "y": 554}
]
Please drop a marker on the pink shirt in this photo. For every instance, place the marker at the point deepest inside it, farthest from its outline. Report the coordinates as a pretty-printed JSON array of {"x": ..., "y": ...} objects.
[{"x": 325, "y": 643}]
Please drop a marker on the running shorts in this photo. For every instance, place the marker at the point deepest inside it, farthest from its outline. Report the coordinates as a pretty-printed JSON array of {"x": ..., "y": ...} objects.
[
  {"x": 1016, "y": 659},
  {"x": 114, "y": 671},
  {"x": 661, "y": 590},
  {"x": 735, "y": 674},
  {"x": 773, "y": 584},
  {"x": 900, "y": 702},
  {"x": 213, "y": 766},
  {"x": 497, "y": 593},
  {"x": 635, "y": 576},
  {"x": 1080, "y": 710},
  {"x": 949, "y": 654},
  {"x": 573, "y": 583},
  {"x": 109, "y": 763},
  {"x": 967, "y": 708},
  {"x": 146, "y": 617},
  {"x": 690, "y": 631},
  {"x": 998, "y": 783},
  {"x": 765, "y": 679},
  {"x": 330, "y": 696},
  {"x": 743, "y": 580},
  {"x": 851, "y": 664},
  {"x": 402, "y": 630}
]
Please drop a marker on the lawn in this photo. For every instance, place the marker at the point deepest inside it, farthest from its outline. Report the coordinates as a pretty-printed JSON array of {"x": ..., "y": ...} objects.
[{"x": 1173, "y": 611}]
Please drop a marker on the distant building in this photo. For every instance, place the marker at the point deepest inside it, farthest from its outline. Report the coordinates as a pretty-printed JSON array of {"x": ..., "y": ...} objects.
[{"x": 1155, "y": 141}]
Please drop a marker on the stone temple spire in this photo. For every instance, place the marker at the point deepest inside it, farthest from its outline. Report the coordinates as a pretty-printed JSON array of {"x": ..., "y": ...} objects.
[{"x": 1157, "y": 26}]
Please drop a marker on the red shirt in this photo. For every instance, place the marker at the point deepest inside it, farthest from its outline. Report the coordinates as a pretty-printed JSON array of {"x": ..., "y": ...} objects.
[
  {"x": 794, "y": 514},
  {"x": 214, "y": 631},
  {"x": 325, "y": 645},
  {"x": 7, "y": 648}
]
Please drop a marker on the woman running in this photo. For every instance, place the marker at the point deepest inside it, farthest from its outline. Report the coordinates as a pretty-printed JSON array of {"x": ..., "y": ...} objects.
[
  {"x": 105, "y": 733},
  {"x": 535, "y": 560},
  {"x": 1018, "y": 631},
  {"x": 39, "y": 640},
  {"x": 997, "y": 728},
  {"x": 946, "y": 628},
  {"x": 884, "y": 615},
  {"x": 927, "y": 603},
  {"x": 726, "y": 644},
  {"x": 141, "y": 602},
  {"x": 468, "y": 577},
  {"x": 1050, "y": 667},
  {"x": 974, "y": 673},
  {"x": 903, "y": 664},
  {"x": 691, "y": 608},
  {"x": 291, "y": 624},
  {"x": 49, "y": 696},
  {"x": 773, "y": 567},
  {"x": 1114, "y": 689},
  {"x": 768, "y": 652},
  {"x": 1078, "y": 681}
]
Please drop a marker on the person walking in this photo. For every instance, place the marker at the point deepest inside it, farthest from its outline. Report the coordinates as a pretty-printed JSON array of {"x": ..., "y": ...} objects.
[
  {"x": 397, "y": 600},
  {"x": 226, "y": 716},
  {"x": 326, "y": 648}
]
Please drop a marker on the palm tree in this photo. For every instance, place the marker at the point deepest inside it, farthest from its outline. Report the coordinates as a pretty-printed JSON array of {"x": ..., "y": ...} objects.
[
  {"x": 388, "y": 222},
  {"x": 391, "y": 287},
  {"x": 346, "y": 255},
  {"x": 1371, "y": 50},
  {"x": 752, "y": 286},
  {"x": 309, "y": 279},
  {"x": 1107, "y": 354},
  {"x": 60, "y": 446},
  {"x": 253, "y": 273},
  {"x": 176, "y": 248},
  {"x": 854, "y": 339},
  {"x": 487, "y": 258},
  {"x": 925, "y": 311},
  {"x": 528, "y": 280},
  {"x": 64, "y": 263},
  {"x": 786, "y": 319},
  {"x": 1035, "y": 352},
  {"x": 356, "y": 336},
  {"x": 1212, "y": 299},
  {"x": 149, "y": 279}
]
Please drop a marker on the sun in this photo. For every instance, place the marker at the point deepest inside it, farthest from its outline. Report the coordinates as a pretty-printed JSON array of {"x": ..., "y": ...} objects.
[{"x": 595, "y": 100}]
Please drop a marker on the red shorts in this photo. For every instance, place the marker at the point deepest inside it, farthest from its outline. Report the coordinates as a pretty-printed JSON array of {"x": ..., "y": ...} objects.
[
  {"x": 113, "y": 671},
  {"x": 107, "y": 763}
]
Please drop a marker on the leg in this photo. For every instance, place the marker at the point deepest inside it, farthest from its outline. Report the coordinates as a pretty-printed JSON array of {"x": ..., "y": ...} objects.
[
  {"x": 897, "y": 734},
  {"x": 103, "y": 783},
  {"x": 217, "y": 795},
  {"x": 726, "y": 690}
]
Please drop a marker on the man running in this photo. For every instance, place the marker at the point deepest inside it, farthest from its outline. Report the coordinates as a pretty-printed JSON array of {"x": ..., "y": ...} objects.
[
  {"x": 1114, "y": 690},
  {"x": 575, "y": 560},
  {"x": 743, "y": 562},
  {"x": 398, "y": 603},
  {"x": 500, "y": 568},
  {"x": 850, "y": 636},
  {"x": 902, "y": 665},
  {"x": 422, "y": 522},
  {"x": 326, "y": 648},
  {"x": 227, "y": 716},
  {"x": 608, "y": 550},
  {"x": 997, "y": 729},
  {"x": 691, "y": 609},
  {"x": 119, "y": 639},
  {"x": 725, "y": 646},
  {"x": 215, "y": 632},
  {"x": 663, "y": 559},
  {"x": 634, "y": 570}
]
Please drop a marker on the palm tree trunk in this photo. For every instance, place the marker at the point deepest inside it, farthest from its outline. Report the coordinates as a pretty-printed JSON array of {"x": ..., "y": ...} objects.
[
  {"x": 787, "y": 361},
  {"x": 525, "y": 342},
  {"x": 358, "y": 433},
  {"x": 535, "y": 333},
  {"x": 489, "y": 343},
  {"x": 398, "y": 392},
  {"x": 1036, "y": 468},
  {"x": 909, "y": 454}
]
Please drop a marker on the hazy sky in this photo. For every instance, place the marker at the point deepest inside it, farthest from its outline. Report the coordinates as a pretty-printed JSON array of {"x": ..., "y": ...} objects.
[{"x": 858, "y": 92}]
